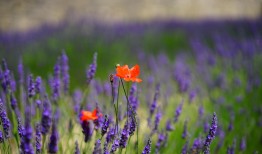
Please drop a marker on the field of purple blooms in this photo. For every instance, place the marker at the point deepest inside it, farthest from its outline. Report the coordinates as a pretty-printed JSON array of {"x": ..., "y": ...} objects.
[{"x": 201, "y": 88}]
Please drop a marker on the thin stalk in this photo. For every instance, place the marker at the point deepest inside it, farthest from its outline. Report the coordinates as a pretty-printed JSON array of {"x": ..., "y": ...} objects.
[
  {"x": 128, "y": 104},
  {"x": 43, "y": 143},
  {"x": 128, "y": 143},
  {"x": 137, "y": 137},
  {"x": 116, "y": 107}
]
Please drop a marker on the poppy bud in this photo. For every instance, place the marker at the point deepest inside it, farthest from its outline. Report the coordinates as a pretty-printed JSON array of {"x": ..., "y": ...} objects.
[
  {"x": 117, "y": 65},
  {"x": 111, "y": 78}
]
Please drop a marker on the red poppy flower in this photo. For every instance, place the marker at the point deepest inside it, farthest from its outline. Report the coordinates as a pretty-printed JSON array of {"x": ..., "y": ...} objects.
[
  {"x": 87, "y": 115},
  {"x": 128, "y": 74}
]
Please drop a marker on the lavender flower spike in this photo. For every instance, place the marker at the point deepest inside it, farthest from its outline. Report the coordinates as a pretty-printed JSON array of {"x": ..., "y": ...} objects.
[
  {"x": 115, "y": 146},
  {"x": 184, "y": 134},
  {"x": 154, "y": 104},
  {"x": 38, "y": 84},
  {"x": 53, "y": 144},
  {"x": 64, "y": 72},
  {"x": 86, "y": 130},
  {"x": 124, "y": 136},
  {"x": 211, "y": 134},
  {"x": 20, "y": 69},
  {"x": 26, "y": 145},
  {"x": 147, "y": 148},
  {"x": 92, "y": 70},
  {"x": 4, "y": 120},
  {"x": 97, "y": 148},
  {"x": 1, "y": 137},
  {"x": 31, "y": 86},
  {"x": 77, "y": 151},
  {"x": 46, "y": 116},
  {"x": 105, "y": 126},
  {"x": 132, "y": 127},
  {"x": 178, "y": 111},
  {"x": 38, "y": 139},
  {"x": 157, "y": 120},
  {"x": 56, "y": 82},
  {"x": 169, "y": 126},
  {"x": 20, "y": 127}
]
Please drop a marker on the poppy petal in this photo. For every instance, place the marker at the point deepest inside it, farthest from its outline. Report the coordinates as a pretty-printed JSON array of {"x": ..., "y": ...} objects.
[
  {"x": 122, "y": 71},
  {"x": 135, "y": 71}
]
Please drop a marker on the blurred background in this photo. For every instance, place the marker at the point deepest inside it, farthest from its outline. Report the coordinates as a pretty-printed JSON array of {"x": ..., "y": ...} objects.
[
  {"x": 37, "y": 31},
  {"x": 203, "y": 50}
]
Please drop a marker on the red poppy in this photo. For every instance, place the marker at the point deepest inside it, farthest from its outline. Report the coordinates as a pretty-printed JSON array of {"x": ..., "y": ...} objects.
[
  {"x": 87, "y": 115},
  {"x": 128, "y": 74}
]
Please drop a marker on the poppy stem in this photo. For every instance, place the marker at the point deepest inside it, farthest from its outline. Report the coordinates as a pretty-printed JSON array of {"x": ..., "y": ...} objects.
[
  {"x": 115, "y": 105},
  {"x": 126, "y": 99}
]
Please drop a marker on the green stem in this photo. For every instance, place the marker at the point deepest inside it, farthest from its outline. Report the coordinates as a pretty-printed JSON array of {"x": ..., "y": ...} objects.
[
  {"x": 137, "y": 136},
  {"x": 128, "y": 144},
  {"x": 43, "y": 143},
  {"x": 116, "y": 108}
]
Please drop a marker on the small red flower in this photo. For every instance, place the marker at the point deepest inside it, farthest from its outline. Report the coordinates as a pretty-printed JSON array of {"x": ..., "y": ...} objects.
[
  {"x": 87, "y": 115},
  {"x": 128, "y": 74}
]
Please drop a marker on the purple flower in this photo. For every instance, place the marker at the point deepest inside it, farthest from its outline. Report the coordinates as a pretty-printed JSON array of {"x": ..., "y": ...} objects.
[
  {"x": 31, "y": 86},
  {"x": 124, "y": 136},
  {"x": 46, "y": 116},
  {"x": 1, "y": 137},
  {"x": 115, "y": 146},
  {"x": 92, "y": 70},
  {"x": 26, "y": 145},
  {"x": 4, "y": 120},
  {"x": 197, "y": 145},
  {"x": 77, "y": 100},
  {"x": 184, "y": 149},
  {"x": 12, "y": 84},
  {"x": 242, "y": 146},
  {"x": 169, "y": 126},
  {"x": 211, "y": 134},
  {"x": 64, "y": 72},
  {"x": 154, "y": 104},
  {"x": 86, "y": 130},
  {"x": 20, "y": 127},
  {"x": 147, "y": 148},
  {"x": 105, "y": 126},
  {"x": 5, "y": 77},
  {"x": 97, "y": 148},
  {"x": 53, "y": 143},
  {"x": 38, "y": 84},
  {"x": 184, "y": 134},
  {"x": 160, "y": 141},
  {"x": 105, "y": 148},
  {"x": 110, "y": 135},
  {"x": 13, "y": 102},
  {"x": 20, "y": 70},
  {"x": 132, "y": 126},
  {"x": 178, "y": 111},
  {"x": 77, "y": 151},
  {"x": 192, "y": 96},
  {"x": 157, "y": 120},
  {"x": 56, "y": 82},
  {"x": 99, "y": 121},
  {"x": 132, "y": 97},
  {"x": 38, "y": 138}
]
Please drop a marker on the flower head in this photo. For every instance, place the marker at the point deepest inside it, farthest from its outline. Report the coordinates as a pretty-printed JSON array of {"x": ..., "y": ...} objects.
[
  {"x": 87, "y": 115},
  {"x": 128, "y": 74}
]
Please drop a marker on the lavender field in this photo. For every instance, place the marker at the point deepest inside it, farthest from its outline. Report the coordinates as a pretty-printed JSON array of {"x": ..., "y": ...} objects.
[{"x": 190, "y": 87}]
